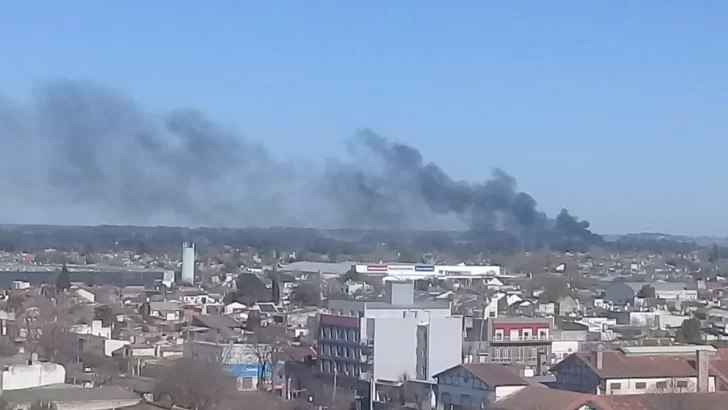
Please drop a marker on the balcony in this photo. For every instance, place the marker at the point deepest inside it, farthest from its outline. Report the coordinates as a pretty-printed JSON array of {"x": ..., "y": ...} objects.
[
  {"x": 532, "y": 339},
  {"x": 518, "y": 360}
]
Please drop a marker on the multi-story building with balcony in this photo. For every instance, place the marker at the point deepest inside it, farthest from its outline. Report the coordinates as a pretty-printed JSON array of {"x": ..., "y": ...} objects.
[
  {"x": 516, "y": 340},
  {"x": 382, "y": 341}
]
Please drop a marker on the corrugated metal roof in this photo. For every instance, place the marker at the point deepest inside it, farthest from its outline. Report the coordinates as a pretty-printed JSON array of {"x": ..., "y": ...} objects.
[{"x": 338, "y": 268}]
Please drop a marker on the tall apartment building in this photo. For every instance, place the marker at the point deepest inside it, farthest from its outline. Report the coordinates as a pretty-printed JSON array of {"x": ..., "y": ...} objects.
[{"x": 362, "y": 341}]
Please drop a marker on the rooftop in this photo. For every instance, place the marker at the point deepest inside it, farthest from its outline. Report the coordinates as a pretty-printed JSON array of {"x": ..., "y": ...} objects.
[
  {"x": 495, "y": 375},
  {"x": 616, "y": 364},
  {"x": 692, "y": 401},
  {"x": 68, "y": 393},
  {"x": 339, "y": 268},
  {"x": 542, "y": 398}
]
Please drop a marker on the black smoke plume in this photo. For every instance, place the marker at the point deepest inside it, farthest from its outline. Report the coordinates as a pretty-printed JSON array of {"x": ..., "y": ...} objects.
[{"x": 84, "y": 154}]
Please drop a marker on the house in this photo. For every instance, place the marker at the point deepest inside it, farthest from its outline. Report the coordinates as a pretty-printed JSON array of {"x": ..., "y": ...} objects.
[
  {"x": 636, "y": 370},
  {"x": 542, "y": 398},
  {"x": 567, "y": 305},
  {"x": 241, "y": 360},
  {"x": 96, "y": 328},
  {"x": 234, "y": 307},
  {"x": 169, "y": 311},
  {"x": 84, "y": 295},
  {"x": 514, "y": 339},
  {"x": 476, "y": 385}
]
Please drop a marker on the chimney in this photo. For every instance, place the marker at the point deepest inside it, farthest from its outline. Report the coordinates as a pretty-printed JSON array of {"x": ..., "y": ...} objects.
[
  {"x": 599, "y": 357},
  {"x": 702, "y": 365}
]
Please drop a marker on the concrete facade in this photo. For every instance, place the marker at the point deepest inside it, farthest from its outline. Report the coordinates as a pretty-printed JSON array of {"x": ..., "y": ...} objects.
[
  {"x": 385, "y": 340},
  {"x": 16, "y": 377}
]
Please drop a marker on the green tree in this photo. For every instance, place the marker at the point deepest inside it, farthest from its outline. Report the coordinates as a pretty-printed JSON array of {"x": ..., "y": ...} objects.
[
  {"x": 554, "y": 288},
  {"x": 105, "y": 314},
  {"x": 690, "y": 331},
  {"x": 714, "y": 254},
  {"x": 646, "y": 291},
  {"x": 63, "y": 282},
  {"x": 306, "y": 294}
]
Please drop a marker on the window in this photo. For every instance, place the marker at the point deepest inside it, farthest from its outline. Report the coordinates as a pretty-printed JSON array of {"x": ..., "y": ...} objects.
[
  {"x": 615, "y": 386},
  {"x": 499, "y": 334},
  {"x": 527, "y": 334},
  {"x": 661, "y": 385},
  {"x": 542, "y": 334},
  {"x": 640, "y": 385},
  {"x": 681, "y": 384}
]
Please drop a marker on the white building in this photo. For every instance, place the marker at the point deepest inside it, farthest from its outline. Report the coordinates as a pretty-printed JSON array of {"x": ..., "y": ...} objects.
[
  {"x": 188, "y": 263},
  {"x": 96, "y": 328},
  {"x": 388, "y": 339},
  {"x": 414, "y": 272}
]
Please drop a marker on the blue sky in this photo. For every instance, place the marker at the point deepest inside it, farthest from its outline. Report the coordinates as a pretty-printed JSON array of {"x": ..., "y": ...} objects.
[{"x": 613, "y": 109}]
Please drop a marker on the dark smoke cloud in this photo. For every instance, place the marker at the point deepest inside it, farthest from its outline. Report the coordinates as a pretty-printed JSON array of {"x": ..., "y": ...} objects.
[{"x": 82, "y": 153}]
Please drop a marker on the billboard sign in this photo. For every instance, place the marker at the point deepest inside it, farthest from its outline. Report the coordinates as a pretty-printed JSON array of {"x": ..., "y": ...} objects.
[
  {"x": 424, "y": 268},
  {"x": 401, "y": 268},
  {"x": 377, "y": 268}
]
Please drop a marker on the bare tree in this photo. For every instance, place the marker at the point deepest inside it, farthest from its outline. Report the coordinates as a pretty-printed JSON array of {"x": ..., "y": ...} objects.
[
  {"x": 267, "y": 345},
  {"x": 196, "y": 384},
  {"x": 44, "y": 323}
]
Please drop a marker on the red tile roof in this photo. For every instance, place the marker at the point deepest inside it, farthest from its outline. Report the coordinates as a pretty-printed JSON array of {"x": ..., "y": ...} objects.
[
  {"x": 617, "y": 365},
  {"x": 494, "y": 374},
  {"x": 677, "y": 401},
  {"x": 543, "y": 398}
]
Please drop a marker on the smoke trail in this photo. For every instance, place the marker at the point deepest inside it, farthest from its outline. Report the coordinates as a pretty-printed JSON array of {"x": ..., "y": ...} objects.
[{"x": 82, "y": 153}]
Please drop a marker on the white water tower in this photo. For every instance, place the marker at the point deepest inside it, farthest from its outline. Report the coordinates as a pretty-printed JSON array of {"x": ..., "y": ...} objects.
[{"x": 188, "y": 263}]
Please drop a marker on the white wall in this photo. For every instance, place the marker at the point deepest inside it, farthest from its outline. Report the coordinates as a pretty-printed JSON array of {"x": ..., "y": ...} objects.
[
  {"x": 395, "y": 348},
  {"x": 422, "y": 315},
  {"x": 503, "y": 391},
  {"x": 445, "y": 344},
  {"x": 25, "y": 376},
  {"x": 629, "y": 386},
  {"x": 94, "y": 405},
  {"x": 559, "y": 348},
  {"x": 95, "y": 328},
  {"x": 110, "y": 345}
]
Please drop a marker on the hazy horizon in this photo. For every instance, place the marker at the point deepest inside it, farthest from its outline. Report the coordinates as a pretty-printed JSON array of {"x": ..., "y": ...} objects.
[{"x": 613, "y": 111}]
